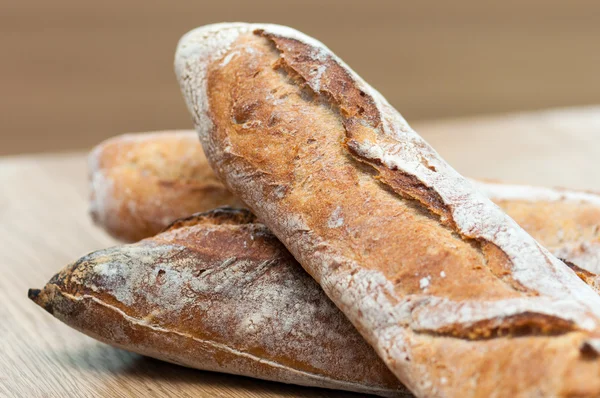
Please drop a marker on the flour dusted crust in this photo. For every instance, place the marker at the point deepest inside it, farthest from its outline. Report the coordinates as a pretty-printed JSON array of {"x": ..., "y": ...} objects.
[
  {"x": 139, "y": 183},
  {"x": 566, "y": 222},
  {"x": 453, "y": 295},
  {"x": 218, "y": 292}
]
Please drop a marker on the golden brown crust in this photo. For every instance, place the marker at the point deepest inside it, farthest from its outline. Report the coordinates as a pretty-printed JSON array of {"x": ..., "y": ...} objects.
[
  {"x": 142, "y": 182},
  {"x": 403, "y": 245},
  {"x": 217, "y": 291}
]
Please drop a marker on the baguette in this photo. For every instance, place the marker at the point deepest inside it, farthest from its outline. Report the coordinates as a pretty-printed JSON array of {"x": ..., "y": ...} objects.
[
  {"x": 217, "y": 292},
  {"x": 140, "y": 183},
  {"x": 451, "y": 293},
  {"x": 565, "y": 222}
]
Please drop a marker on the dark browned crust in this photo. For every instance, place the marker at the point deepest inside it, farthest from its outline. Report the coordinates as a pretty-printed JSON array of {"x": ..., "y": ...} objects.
[
  {"x": 526, "y": 324},
  {"x": 228, "y": 262},
  {"x": 585, "y": 276},
  {"x": 338, "y": 86},
  {"x": 104, "y": 324},
  {"x": 219, "y": 216}
]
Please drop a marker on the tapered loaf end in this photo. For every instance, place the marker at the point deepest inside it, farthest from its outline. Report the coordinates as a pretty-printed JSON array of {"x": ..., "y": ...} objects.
[
  {"x": 34, "y": 294},
  {"x": 198, "y": 48},
  {"x": 42, "y": 298},
  {"x": 51, "y": 296},
  {"x": 195, "y": 51}
]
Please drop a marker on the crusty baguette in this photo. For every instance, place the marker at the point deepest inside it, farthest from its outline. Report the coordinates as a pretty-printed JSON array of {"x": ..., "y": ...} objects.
[
  {"x": 454, "y": 296},
  {"x": 142, "y": 182},
  {"x": 566, "y": 222},
  {"x": 218, "y": 292}
]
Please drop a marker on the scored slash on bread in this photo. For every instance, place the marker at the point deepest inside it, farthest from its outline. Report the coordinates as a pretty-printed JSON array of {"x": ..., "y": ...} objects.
[
  {"x": 217, "y": 291},
  {"x": 453, "y": 295},
  {"x": 566, "y": 222}
]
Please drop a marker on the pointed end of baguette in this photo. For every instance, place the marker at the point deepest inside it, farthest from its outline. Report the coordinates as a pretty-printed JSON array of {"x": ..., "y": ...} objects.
[
  {"x": 41, "y": 298},
  {"x": 49, "y": 297},
  {"x": 198, "y": 48},
  {"x": 34, "y": 295}
]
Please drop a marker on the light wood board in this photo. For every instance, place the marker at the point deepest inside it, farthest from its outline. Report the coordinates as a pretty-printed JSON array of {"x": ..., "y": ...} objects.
[{"x": 44, "y": 225}]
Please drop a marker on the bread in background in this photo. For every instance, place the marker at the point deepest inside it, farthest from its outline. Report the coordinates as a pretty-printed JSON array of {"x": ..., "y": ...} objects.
[{"x": 140, "y": 183}]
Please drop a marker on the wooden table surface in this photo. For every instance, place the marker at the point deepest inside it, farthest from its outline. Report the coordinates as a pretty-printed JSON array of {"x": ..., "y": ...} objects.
[{"x": 44, "y": 225}]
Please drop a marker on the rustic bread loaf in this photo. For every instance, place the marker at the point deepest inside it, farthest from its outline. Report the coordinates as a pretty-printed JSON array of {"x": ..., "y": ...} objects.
[
  {"x": 453, "y": 295},
  {"x": 217, "y": 291},
  {"x": 142, "y": 182},
  {"x": 564, "y": 221}
]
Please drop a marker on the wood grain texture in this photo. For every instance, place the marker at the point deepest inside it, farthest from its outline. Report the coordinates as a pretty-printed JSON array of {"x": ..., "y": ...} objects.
[
  {"x": 73, "y": 72},
  {"x": 44, "y": 225}
]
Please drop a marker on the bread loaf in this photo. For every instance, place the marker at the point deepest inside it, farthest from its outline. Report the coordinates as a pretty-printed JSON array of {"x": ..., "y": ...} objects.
[
  {"x": 564, "y": 221},
  {"x": 454, "y": 296},
  {"x": 218, "y": 292},
  {"x": 140, "y": 183}
]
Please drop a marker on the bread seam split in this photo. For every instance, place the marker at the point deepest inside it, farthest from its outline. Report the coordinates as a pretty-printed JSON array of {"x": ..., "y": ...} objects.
[{"x": 319, "y": 380}]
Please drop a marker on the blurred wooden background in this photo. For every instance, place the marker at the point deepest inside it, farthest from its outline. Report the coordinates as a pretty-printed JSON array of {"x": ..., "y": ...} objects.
[{"x": 75, "y": 72}]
